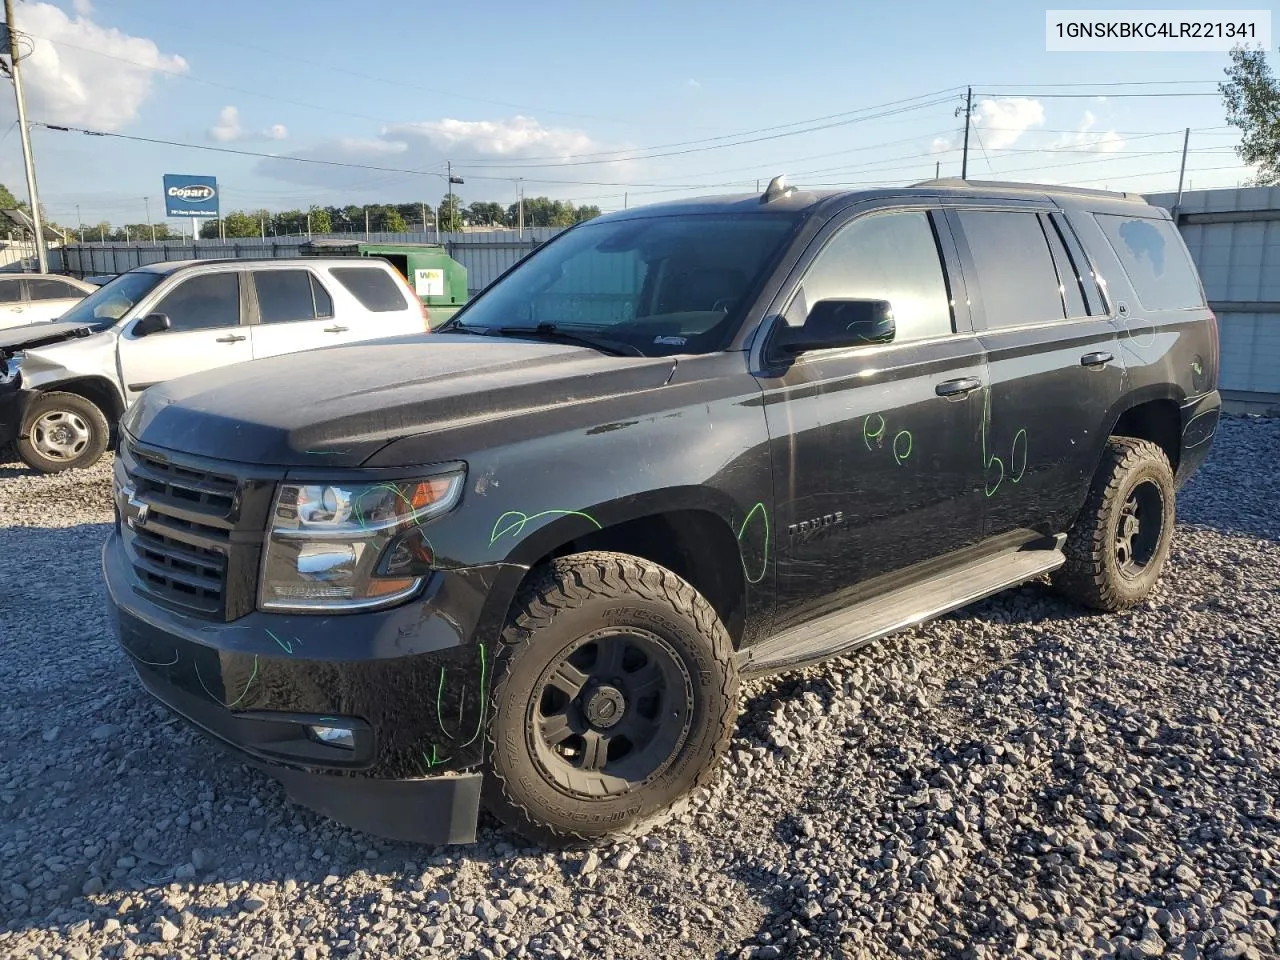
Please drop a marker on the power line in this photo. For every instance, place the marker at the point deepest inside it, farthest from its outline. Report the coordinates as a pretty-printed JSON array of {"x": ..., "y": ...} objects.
[{"x": 1090, "y": 96}]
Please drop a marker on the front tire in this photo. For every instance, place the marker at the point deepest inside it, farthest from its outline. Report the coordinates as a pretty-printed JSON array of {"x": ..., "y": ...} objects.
[
  {"x": 1119, "y": 545},
  {"x": 62, "y": 431},
  {"x": 616, "y": 694}
]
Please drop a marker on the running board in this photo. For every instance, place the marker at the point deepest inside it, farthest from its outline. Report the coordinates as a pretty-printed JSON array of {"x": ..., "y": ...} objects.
[{"x": 845, "y": 630}]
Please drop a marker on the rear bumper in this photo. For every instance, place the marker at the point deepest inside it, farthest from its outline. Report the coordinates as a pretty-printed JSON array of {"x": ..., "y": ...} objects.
[
  {"x": 1199, "y": 425},
  {"x": 407, "y": 685}
]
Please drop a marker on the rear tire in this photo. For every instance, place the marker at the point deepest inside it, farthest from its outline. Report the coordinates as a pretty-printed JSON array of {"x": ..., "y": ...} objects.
[
  {"x": 616, "y": 693},
  {"x": 62, "y": 431},
  {"x": 1118, "y": 546}
]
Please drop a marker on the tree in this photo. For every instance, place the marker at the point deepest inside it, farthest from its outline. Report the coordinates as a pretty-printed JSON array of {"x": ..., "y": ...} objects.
[
  {"x": 320, "y": 220},
  {"x": 585, "y": 213},
  {"x": 1252, "y": 99},
  {"x": 7, "y": 200},
  {"x": 485, "y": 213},
  {"x": 450, "y": 217},
  {"x": 238, "y": 224}
]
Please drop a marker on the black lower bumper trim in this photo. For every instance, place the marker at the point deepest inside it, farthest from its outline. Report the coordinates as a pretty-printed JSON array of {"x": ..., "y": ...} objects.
[{"x": 433, "y": 810}]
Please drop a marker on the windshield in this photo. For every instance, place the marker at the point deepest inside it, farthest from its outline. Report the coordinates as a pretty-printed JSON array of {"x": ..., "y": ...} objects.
[
  {"x": 663, "y": 285},
  {"x": 113, "y": 300}
]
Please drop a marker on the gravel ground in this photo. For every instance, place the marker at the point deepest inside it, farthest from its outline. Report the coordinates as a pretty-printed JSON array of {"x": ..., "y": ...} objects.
[{"x": 1020, "y": 777}]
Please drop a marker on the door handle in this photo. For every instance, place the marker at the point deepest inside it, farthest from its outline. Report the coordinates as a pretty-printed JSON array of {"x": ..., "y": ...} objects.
[
  {"x": 955, "y": 389},
  {"x": 1100, "y": 359},
  {"x": 335, "y": 329},
  {"x": 233, "y": 338}
]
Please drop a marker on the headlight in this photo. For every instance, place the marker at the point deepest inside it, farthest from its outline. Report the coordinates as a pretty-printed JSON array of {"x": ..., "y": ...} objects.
[{"x": 342, "y": 546}]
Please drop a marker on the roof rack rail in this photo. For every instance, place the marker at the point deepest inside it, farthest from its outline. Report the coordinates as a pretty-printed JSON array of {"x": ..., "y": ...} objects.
[{"x": 957, "y": 182}]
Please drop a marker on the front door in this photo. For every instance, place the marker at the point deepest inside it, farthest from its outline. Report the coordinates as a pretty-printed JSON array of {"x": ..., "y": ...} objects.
[
  {"x": 874, "y": 447},
  {"x": 1055, "y": 365},
  {"x": 205, "y": 331}
]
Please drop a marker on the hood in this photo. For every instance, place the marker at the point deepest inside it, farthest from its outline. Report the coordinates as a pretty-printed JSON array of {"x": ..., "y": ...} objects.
[
  {"x": 336, "y": 406},
  {"x": 42, "y": 334}
]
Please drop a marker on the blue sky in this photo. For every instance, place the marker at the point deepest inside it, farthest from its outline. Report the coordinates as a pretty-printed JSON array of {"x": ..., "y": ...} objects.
[{"x": 571, "y": 96}]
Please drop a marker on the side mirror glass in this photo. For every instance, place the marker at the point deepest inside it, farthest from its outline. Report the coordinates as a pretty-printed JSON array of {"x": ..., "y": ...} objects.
[
  {"x": 841, "y": 323},
  {"x": 151, "y": 323}
]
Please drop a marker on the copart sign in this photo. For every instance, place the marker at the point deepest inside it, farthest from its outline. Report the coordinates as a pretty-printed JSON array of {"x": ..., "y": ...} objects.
[{"x": 188, "y": 195}]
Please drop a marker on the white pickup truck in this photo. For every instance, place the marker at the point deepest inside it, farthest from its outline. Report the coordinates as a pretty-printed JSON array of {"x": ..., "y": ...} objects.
[{"x": 64, "y": 383}]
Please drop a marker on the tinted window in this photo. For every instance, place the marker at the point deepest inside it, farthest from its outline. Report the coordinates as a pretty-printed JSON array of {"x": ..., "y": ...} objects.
[
  {"x": 1155, "y": 260},
  {"x": 662, "y": 284},
  {"x": 285, "y": 295},
  {"x": 374, "y": 288},
  {"x": 1016, "y": 277},
  {"x": 892, "y": 257},
  {"x": 41, "y": 289},
  {"x": 1095, "y": 303},
  {"x": 202, "y": 303},
  {"x": 1068, "y": 280},
  {"x": 10, "y": 291}
]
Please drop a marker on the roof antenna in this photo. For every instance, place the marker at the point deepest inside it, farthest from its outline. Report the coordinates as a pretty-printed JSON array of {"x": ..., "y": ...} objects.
[{"x": 777, "y": 188}]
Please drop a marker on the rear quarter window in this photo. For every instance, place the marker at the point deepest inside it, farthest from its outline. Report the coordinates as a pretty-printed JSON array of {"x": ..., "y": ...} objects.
[
  {"x": 374, "y": 288},
  {"x": 1155, "y": 260}
]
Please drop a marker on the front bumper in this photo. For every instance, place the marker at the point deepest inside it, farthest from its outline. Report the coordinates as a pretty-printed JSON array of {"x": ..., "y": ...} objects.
[
  {"x": 407, "y": 682},
  {"x": 13, "y": 406}
]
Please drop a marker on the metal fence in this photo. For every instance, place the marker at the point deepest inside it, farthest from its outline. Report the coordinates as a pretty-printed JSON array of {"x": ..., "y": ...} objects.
[
  {"x": 485, "y": 254},
  {"x": 1234, "y": 239}
]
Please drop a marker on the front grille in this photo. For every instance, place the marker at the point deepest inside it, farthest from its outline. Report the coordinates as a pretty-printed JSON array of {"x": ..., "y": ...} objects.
[{"x": 198, "y": 547}]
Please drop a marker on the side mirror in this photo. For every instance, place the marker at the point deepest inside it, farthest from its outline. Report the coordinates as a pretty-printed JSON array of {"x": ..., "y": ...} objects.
[
  {"x": 840, "y": 323},
  {"x": 151, "y": 323}
]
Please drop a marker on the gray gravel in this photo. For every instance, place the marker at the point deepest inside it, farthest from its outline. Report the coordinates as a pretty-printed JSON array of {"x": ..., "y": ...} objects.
[{"x": 1020, "y": 776}]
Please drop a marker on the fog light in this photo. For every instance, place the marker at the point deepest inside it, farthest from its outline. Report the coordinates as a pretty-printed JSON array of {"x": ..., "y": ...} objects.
[{"x": 333, "y": 736}]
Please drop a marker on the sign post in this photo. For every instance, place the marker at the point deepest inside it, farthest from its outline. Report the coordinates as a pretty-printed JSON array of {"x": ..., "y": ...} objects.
[{"x": 187, "y": 195}]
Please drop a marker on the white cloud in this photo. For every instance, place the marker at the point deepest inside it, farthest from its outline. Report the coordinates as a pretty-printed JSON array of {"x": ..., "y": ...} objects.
[
  {"x": 426, "y": 146},
  {"x": 694, "y": 84},
  {"x": 277, "y": 131},
  {"x": 1086, "y": 138},
  {"x": 228, "y": 126},
  {"x": 941, "y": 145},
  {"x": 1001, "y": 122},
  {"x": 494, "y": 138},
  {"x": 82, "y": 73}
]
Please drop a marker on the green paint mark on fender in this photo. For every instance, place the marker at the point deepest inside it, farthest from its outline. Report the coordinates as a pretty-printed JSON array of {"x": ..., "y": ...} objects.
[
  {"x": 764, "y": 559},
  {"x": 902, "y": 444},
  {"x": 869, "y": 434},
  {"x": 516, "y": 521},
  {"x": 1019, "y": 468},
  {"x": 484, "y": 696}
]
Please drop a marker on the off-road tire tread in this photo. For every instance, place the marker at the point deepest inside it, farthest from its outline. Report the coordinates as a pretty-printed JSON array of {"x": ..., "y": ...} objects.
[
  {"x": 83, "y": 405},
  {"x": 1083, "y": 578},
  {"x": 566, "y": 583}
]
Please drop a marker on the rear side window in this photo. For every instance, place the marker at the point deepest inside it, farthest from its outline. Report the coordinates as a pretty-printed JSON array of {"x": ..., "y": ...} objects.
[
  {"x": 1068, "y": 280},
  {"x": 1016, "y": 275},
  {"x": 288, "y": 295},
  {"x": 42, "y": 289},
  {"x": 374, "y": 288},
  {"x": 1155, "y": 260},
  {"x": 10, "y": 291}
]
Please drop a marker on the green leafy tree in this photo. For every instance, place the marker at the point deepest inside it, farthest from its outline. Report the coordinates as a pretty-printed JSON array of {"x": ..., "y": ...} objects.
[
  {"x": 7, "y": 200},
  {"x": 486, "y": 213},
  {"x": 321, "y": 222},
  {"x": 585, "y": 213},
  {"x": 289, "y": 223},
  {"x": 450, "y": 217},
  {"x": 1252, "y": 99}
]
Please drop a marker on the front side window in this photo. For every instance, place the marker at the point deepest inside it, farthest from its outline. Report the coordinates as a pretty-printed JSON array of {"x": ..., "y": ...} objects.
[
  {"x": 1155, "y": 260},
  {"x": 288, "y": 295},
  {"x": 203, "y": 303},
  {"x": 114, "y": 299},
  {"x": 661, "y": 285},
  {"x": 10, "y": 291},
  {"x": 1016, "y": 276},
  {"x": 888, "y": 256}
]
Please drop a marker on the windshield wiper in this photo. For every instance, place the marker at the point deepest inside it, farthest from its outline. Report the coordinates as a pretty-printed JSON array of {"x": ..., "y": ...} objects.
[{"x": 554, "y": 334}]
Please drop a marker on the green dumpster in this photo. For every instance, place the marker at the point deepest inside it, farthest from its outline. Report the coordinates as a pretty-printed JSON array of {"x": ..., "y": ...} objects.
[{"x": 439, "y": 280}]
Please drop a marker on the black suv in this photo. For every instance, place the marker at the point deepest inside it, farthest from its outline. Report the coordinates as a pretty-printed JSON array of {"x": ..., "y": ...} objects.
[{"x": 525, "y": 560}]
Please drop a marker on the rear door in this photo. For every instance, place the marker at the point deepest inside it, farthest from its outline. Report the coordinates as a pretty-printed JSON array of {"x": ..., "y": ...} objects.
[
  {"x": 1053, "y": 360},
  {"x": 206, "y": 315},
  {"x": 873, "y": 447},
  {"x": 294, "y": 311},
  {"x": 49, "y": 298}
]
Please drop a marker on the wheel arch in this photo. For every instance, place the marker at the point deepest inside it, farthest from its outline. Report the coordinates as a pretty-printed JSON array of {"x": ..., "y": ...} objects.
[
  {"x": 1154, "y": 416},
  {"x": 689, "y": 531},
  {"x": 97, "y": 390}
]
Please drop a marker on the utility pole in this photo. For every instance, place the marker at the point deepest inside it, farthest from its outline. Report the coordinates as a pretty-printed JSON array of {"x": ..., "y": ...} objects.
[
  {"x": 80, "y": 223},
  {"x": 262, "y": 227},
  {"x": 222, "y": 226},
  {"x": 520, "y": 206},
  {"x": 937, "y": 169},
  {"x": 366, "y": 221},
  {"x": 424, "y": 217},
  {"x": 1186, "y": 139},
  {"x": 102, "y": 234},
  {"x": 147, "y": 201},
  {"x": 308, "y": 224},
  {"x": 968, "y": 112},
  {"x": 37, "y": 229},
  {"x": 624, "y": 200}
]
